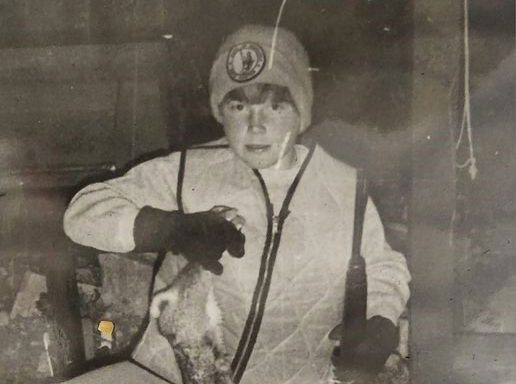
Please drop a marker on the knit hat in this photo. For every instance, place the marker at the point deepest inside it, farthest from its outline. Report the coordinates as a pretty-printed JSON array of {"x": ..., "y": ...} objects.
[{"x": 246, "y": 57}]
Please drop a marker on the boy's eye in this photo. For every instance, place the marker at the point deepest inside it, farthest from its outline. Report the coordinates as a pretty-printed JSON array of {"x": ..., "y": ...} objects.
[
  {"x": 279, "y": 107},
  {"x": 236, "y": 106}
]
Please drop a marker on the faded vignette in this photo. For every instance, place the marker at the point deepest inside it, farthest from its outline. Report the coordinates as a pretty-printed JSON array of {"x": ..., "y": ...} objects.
[{"x": 420, "y": 95}]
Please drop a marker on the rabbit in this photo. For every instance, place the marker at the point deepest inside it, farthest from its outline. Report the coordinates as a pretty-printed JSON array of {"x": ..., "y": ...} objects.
[{"x": 190, "y": 318}]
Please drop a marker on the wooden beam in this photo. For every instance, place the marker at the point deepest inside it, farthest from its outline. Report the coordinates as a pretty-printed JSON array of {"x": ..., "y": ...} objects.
[
  {"x": 437, "y": 37},
  {"x": 62, "y": 22},
  {"x": 90, "y": 62}
]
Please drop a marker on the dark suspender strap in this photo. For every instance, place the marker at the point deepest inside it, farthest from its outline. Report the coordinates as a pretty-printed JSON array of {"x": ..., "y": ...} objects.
[
  {"x": 179, "y": 199},
  {"x": 180, "y": 179},
  {"x": 238, "y": 364},
  {"x": 255, "y": 316}
]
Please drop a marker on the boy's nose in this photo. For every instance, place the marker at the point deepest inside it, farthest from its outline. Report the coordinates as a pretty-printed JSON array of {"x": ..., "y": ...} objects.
[{"x": 256, "y": 123}]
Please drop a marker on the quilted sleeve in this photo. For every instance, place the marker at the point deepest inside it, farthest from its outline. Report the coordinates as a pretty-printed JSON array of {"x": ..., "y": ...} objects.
[
  {"x": 387, "y": 273},
  {"x": 102, "y": 214}
]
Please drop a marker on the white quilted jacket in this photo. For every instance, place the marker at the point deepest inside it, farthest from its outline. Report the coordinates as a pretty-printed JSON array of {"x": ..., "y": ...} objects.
[{"x": 308, "y": 278}]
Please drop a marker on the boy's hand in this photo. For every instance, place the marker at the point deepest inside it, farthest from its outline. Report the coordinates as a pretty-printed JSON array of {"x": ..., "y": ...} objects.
[
  {"x": 203, "y": 237},
  {"x": 380, "y": 341},
  {"x": 200, "y": 237}
]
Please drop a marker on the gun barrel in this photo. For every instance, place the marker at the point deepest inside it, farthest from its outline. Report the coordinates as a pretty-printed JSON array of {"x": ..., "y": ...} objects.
[{"x": 355, "y": 299}]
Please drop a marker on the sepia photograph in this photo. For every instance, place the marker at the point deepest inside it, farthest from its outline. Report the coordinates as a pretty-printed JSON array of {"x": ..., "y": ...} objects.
[{"x": 258, "y": 192}]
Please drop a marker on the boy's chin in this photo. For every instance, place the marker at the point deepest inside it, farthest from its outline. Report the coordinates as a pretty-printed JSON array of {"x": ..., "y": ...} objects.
[{"x": 258, "y": 163}]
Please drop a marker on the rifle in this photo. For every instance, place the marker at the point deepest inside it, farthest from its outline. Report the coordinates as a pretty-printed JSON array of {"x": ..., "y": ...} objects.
[{"x": 355, "y": 300}]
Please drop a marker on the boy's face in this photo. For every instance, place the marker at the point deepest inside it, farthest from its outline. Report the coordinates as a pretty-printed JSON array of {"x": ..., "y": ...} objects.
[{"x": 262, "y": 124}]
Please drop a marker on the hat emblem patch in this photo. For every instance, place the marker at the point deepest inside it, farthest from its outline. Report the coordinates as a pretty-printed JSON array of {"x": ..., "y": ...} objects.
[{"x": 245, "y": 61}]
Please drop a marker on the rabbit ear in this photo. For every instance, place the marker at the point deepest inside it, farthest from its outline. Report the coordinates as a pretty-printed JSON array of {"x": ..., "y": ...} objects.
[{"x": 161, "y": 299}]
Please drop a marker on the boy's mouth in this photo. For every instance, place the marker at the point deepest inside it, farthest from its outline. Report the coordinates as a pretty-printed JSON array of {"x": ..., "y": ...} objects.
[{"x": 257, "y": 148}]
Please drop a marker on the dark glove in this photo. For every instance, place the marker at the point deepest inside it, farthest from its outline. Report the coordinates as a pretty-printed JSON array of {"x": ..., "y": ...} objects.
[
  {"x": 381, "y": 339},
  {"x": 200, "y": 237}
]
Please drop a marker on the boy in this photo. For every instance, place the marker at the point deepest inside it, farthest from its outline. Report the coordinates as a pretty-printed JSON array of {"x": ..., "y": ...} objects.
[{"x": 289, "y": 204}]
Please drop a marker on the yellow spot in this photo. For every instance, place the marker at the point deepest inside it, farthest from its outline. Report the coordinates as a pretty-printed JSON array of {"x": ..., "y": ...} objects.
[{"x": 106, "y": 327}]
